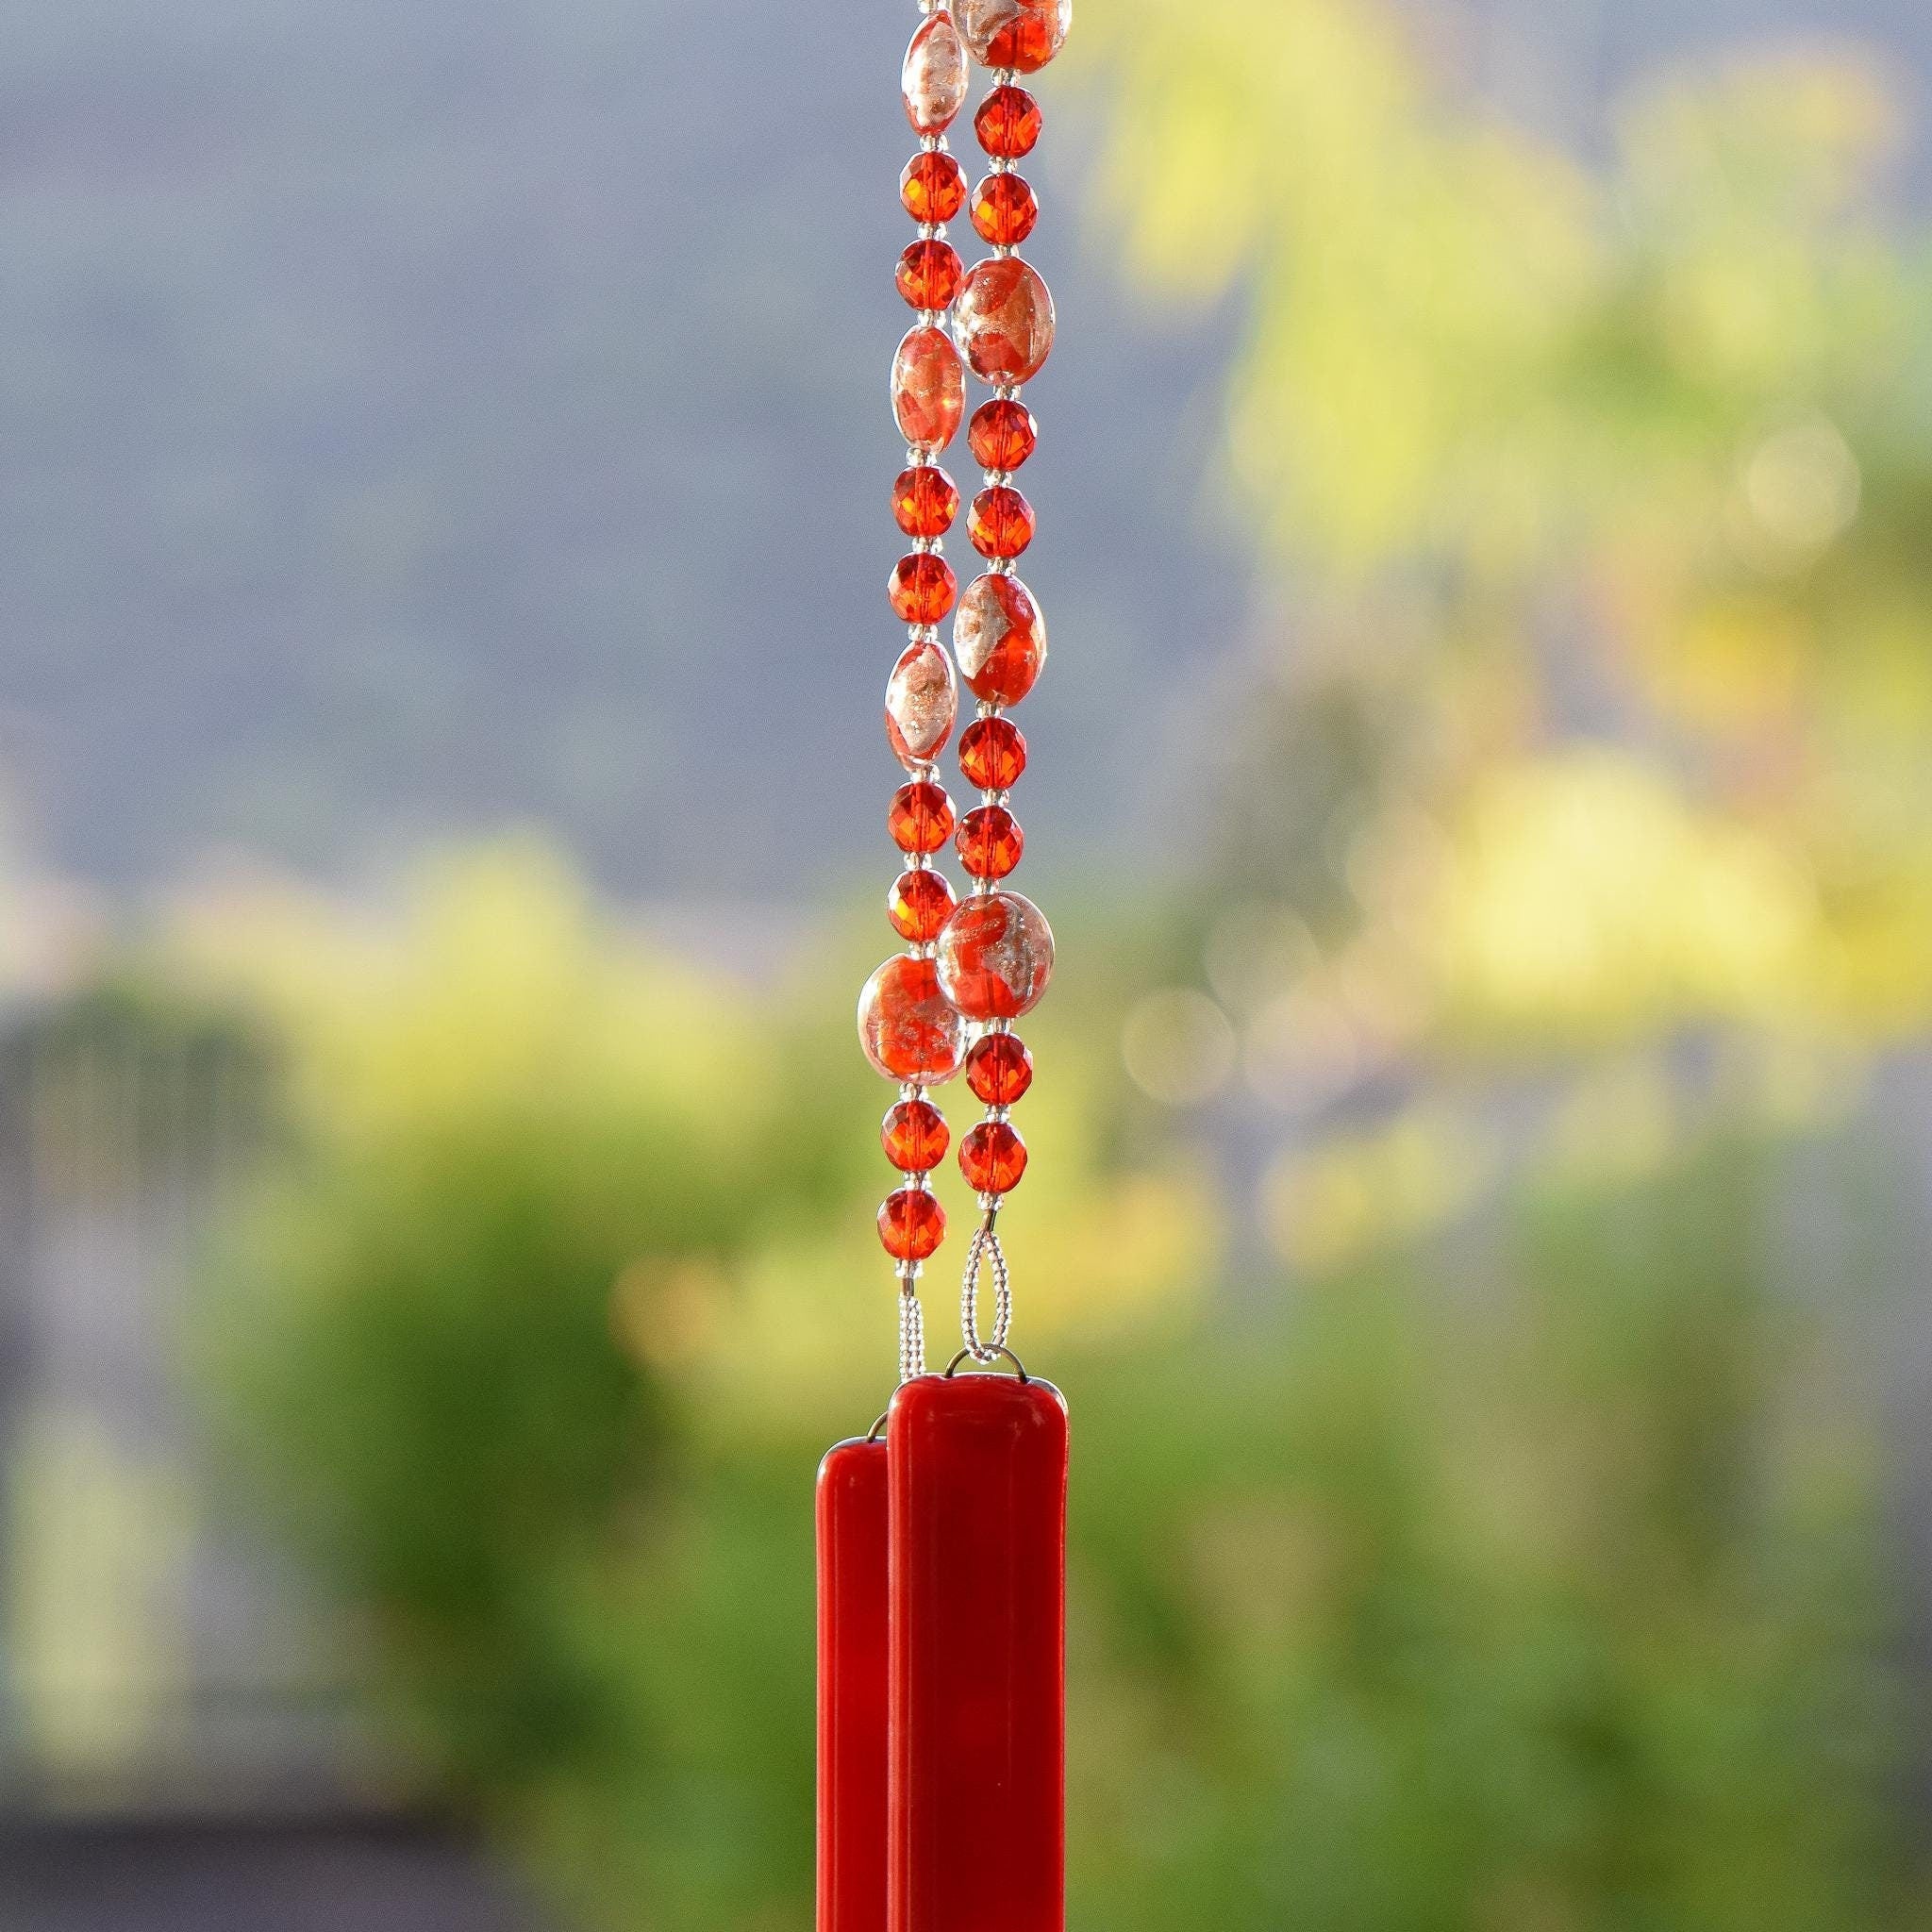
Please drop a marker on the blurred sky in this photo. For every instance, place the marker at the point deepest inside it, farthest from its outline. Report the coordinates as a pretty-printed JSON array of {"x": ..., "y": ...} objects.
[{"x": 419, "y": 417}]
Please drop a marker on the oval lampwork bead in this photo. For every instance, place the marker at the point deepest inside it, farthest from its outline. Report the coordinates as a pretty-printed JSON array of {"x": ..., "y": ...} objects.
[
  {"x": 1003, "y": 320},
  {"x": 1020, "y": 34},
  {"x": 999, "y": 637},
  {"x": 933, "y": 80},
  {"x": 908, "y": 1028},
  {"x": 928, "y": 389},
  {"x": 921, "y": 702},
  {"x": 995, "y": 957}
]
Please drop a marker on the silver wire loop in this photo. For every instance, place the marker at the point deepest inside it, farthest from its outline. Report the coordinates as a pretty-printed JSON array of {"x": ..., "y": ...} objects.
[
  {"x": 984, "y": 1245},
  {"x": 992, "y": 1354}
]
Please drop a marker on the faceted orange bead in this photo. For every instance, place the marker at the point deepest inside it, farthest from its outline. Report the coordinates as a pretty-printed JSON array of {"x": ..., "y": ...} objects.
[
  {"x": 989, "y": 842},
  {"x": 1003, "y": 434},
  {"x": 993, "y": 1157},
  {"x": 1009, "y": 123},
  {"x": 922, "y": 701},
  {"x": 995, "y": 956},
  {"x": 928, "y": 389},
  {"x": 929, "y": 276},
  {"x": 911, "y": 1225},
  {"x": 908, "y": 1028},
  {"x": 1003, "y": 320},
  {"x": 920, "y": 817},
  {"x": 924, "y": 501},
  {"x": 915, "y": 1136},
  {"x": 993, "y": 754},
  {"x": 999, "y": 1070},
  {"x": 1004, "y": 208},
  {"x": 922, "y": 587},
  {"x": 1001, "y": 524},
  {"x": 1020, "y": 34},
  {"x": 999, "y": 639},
  {"x": 933, "y": 188},
  {"x": 919, "y": 904},
  {"x": 933, "y": 80}
]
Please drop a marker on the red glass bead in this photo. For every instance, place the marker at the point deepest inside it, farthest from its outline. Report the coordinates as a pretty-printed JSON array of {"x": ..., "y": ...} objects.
[
  {"x": 911, "y": 1225},
  {"x": 1004, "y": 208},
  {"x": 993, "y": 754},
  {"x": 907, "y": 1027},
  {"x": 1001, "y": 523},
  {"x": 1009, "y": 123},
  {"x": 993, "y": 1157},
  {"x": 922, "y": 587},
  {"x": 999, "y": 1070},
  {"x": 933, "y": 81},
  {"x": 995, "y": 957},
  {"x": 1020, "y": 34},
  {"x": 1003, "y": 434},
  {"x": 1003, "y": 320},
  {"x": 924, "y": 501},
  {"x": 999, "y": 639},
  {"x": 933, "y": 188},
  {"x": 915, "y": 1136},
  {"x": 919, "y": 904},
  {"x": 977, "y": 1472},
  {"x": 928, "y": 389},
  {"x": 929, "y": 276},
  {"x": 920, "y": 817},
  {"x": 989, "y": 842},
  {"x": 921, "y": 699}
]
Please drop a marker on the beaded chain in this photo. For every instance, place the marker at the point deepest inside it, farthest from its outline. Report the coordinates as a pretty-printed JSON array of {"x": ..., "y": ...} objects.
[{"x": 970, "y": 969}]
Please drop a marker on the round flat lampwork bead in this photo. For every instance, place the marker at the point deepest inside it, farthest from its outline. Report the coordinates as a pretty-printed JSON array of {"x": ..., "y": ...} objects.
[
  {"x": 993, "y": 1157},
  {"x": 924, "y": 501},
  {"x": 933, "y": 188},
  {"x": 1005, "y": 210},
  {"x": 1003, "y": 320},
  {"x": 928, "y": 275},
  {"x": 921, "y": 702},
  {"x": 911, "y": 1225},
  {"x": 920, "y": 817},
  {"x": 1009, "y": 123},
  {"x": 922, "y": 587},
  {"x": 989, "y": 842},
  {"x": 993, "y": 754},
  {"x": 933, "y": 81},
  {"x": 1001, "y": 433},
  {"x": 919, "y": 904},
  {"x": 1020, "y": 34},
  {"x": 908, "y": 1028},
  {"x": 999, "y": 1070},
  {"x": 915, "y": 1136},
  {"x": 928, "y": 389},
  {"x": 995, "y": 957},
  {"x": 1001, "y": 523},
  {"x": 999, "y": 639}
]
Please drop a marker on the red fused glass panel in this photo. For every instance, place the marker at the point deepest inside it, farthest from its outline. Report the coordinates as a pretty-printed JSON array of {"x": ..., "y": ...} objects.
[
  {"x": 853, "y": 1676},
  {"x": 977, "y": 1806}
]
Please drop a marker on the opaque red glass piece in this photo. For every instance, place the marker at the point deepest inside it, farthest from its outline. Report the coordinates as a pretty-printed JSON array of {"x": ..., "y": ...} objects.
[
  {"x": 977, "y": 1830},
  {"x": 853, "y": 1679}
]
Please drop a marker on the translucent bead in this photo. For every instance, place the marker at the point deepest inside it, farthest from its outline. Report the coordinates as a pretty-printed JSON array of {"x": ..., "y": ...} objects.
[
  {"x": 919, "y": 904},
  {"x": 928, "y": 389},
  {"x": 1005, "y": 210},
  {"x": 1009, "y": 123},
  {"x": 928, "y": 275},
  {"x": 922, "y": 701},
  {"x": 911, "y": 1225},
  {"x": 1020, "y": 34},
  {"x": 922, "y": 587},
  {"x": 924, "y": 501},
  {"x": 920, "y": 817},
  {"x": 989, "y": 842},
  {"x": 933, "y": 80},
  {"x": 993, "y": 1157},
  {"x": 995, "y": 957},
  {"x": 999, "y": 639},
  {"x": 933, "y": 188},
  {"x": 999, "y": 1070},
  {"x": 1003, "y": 434},
  {"x": 993, "y": 754},
  {"x": 1001, "y": 523},
  {"x": 915, "y": 1136},
  {"x": 1003, "y": 320},
  {"x": 908, "y": 1028}
]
